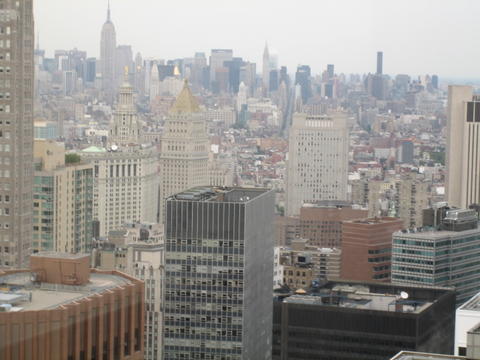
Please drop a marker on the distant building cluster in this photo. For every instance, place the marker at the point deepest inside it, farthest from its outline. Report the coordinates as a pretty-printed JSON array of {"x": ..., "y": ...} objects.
[{"x": 211, "y": 208}]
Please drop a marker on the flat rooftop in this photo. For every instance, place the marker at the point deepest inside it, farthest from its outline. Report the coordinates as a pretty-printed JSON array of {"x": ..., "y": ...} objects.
[
  {"x": 220, "y": 194},
  {"x": 410, "y": 355},
  {"x": 59, "y": 255},
  {"x": 472, "y": 305},
  {"x": 431, "y": 234},
  {"x": 373, "y": 220},
  {"x": 18, "y": 290},
  {"x": 366, "y": 296}
]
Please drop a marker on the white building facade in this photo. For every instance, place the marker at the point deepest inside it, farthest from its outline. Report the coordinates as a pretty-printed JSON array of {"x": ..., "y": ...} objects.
[{"x": 317, "y": 166}]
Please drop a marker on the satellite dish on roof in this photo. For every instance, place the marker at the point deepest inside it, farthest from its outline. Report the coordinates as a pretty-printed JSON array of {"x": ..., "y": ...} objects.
[
  {"x": 404, "y": 295},
  {"x": 114, "y": 147}
]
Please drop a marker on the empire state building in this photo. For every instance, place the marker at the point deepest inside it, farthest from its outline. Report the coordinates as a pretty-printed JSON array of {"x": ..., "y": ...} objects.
[{"x": 108, "y": 46}]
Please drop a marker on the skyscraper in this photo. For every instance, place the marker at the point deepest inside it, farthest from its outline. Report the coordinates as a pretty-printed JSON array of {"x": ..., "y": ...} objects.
[
  {"x": 317, "y": 160},
  {"x": 16, "y": 126},
  {"x": 463, "y": 150},
  {"x": 379, "y": 63},
  {"x": 302, "y": 78},
  {"x": 217, "y": 58},
  {"x": 219, "y": 268},
  {"x": 126, "y": 175},
  {"x": 185, "y": 148},
  {"x": 330, "y": 71},
  {"x": 125, "y": 128},
  {"x": 108, "y": 48},
  {"x": 266, "y": 69}
]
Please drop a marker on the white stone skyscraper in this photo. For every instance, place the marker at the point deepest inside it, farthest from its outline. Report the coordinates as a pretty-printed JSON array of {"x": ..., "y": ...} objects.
[
  {"x": 16, "y": 132},
  {"x": 463, "y": 147},
  {"x": 185, "y": 148},
  {"x": 125, "y": 176},
  {"x": 317, "y": 160},
  {"x": 108, "y": 49},
  {"x": 125, "y": 127}
]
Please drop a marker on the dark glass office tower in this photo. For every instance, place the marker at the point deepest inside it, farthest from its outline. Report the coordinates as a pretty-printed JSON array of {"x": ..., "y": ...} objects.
[
  {"x": 379, "y": 63},
  {"x": 219, "y": 270}
]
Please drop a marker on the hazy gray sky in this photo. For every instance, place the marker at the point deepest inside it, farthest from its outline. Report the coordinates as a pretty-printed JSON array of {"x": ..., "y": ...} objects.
[{"x": 416, "y": 36}]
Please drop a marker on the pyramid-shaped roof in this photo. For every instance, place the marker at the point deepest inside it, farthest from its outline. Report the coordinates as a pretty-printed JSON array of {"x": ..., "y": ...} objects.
[{"x": 186, "y": 102}]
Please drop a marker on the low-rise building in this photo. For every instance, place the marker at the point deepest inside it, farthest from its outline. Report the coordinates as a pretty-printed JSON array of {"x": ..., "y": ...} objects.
[
  {"x": 367, "y": 248},
  {"x": 357, "y": 320},
  {"x": 61, "y": 309},
  {"x": 321, "y": 223},
  {"x": 303, "y": 264},
  {"x": 447, "y": 256},
  {"x": 467, "y": 316}
]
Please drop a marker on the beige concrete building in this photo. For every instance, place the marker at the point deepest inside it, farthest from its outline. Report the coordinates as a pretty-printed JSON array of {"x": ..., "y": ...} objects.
[
  {"x": 411, "y": 198},
  {"x": 16, "y": 131},
  {"x": 463, "y": 147},
  {"x": 317, "y": 166},
  {"x": 404, "y": 196},
  {"x": 184, "y": 156},
  {"x": 138, "y": 250},
  {"x": 125, "y": 186},
  {"x": 301, "y": 264},
  {"x": 63, "y": 201}
]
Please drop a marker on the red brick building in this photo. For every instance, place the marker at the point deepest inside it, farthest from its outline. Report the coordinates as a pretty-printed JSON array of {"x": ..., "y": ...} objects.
[
  {"x": 367, "y": 248},
  {"x": 60, "y": 309},
  {"x": 321, "y": 223}
]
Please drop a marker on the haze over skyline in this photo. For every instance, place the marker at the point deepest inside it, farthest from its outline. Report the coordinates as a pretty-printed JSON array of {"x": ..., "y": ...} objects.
[{"x": 416, "y": 37}]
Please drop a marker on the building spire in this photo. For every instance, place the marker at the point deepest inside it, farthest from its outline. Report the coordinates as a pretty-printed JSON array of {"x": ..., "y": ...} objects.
[
  {"x": 185, "y": 102},
  {"x": 108, "y": 12}
]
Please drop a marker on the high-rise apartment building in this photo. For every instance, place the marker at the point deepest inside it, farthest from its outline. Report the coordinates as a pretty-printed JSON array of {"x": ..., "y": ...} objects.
[
  {"x": 108, "y": 49},
  {"x": 219, "y": 269},
  {"x": 445, "y": 257},
  {"x": 411, "y": 198},
  {"x": 185, "y": 149},
  {"x": 62, "y": 200},
  {"x": 463, "y": 150},
  {"x": 317, "y": 160},
  {"x": 16, "y": 131},
  {"x": 367, "y": 248}
]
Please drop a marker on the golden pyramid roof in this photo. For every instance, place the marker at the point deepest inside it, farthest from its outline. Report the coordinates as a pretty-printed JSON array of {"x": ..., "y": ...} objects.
[{"x": 186, "y": 102}]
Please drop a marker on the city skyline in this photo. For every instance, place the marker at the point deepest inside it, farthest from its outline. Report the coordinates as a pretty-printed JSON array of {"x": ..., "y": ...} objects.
[{"x": 385, "y": 26}]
